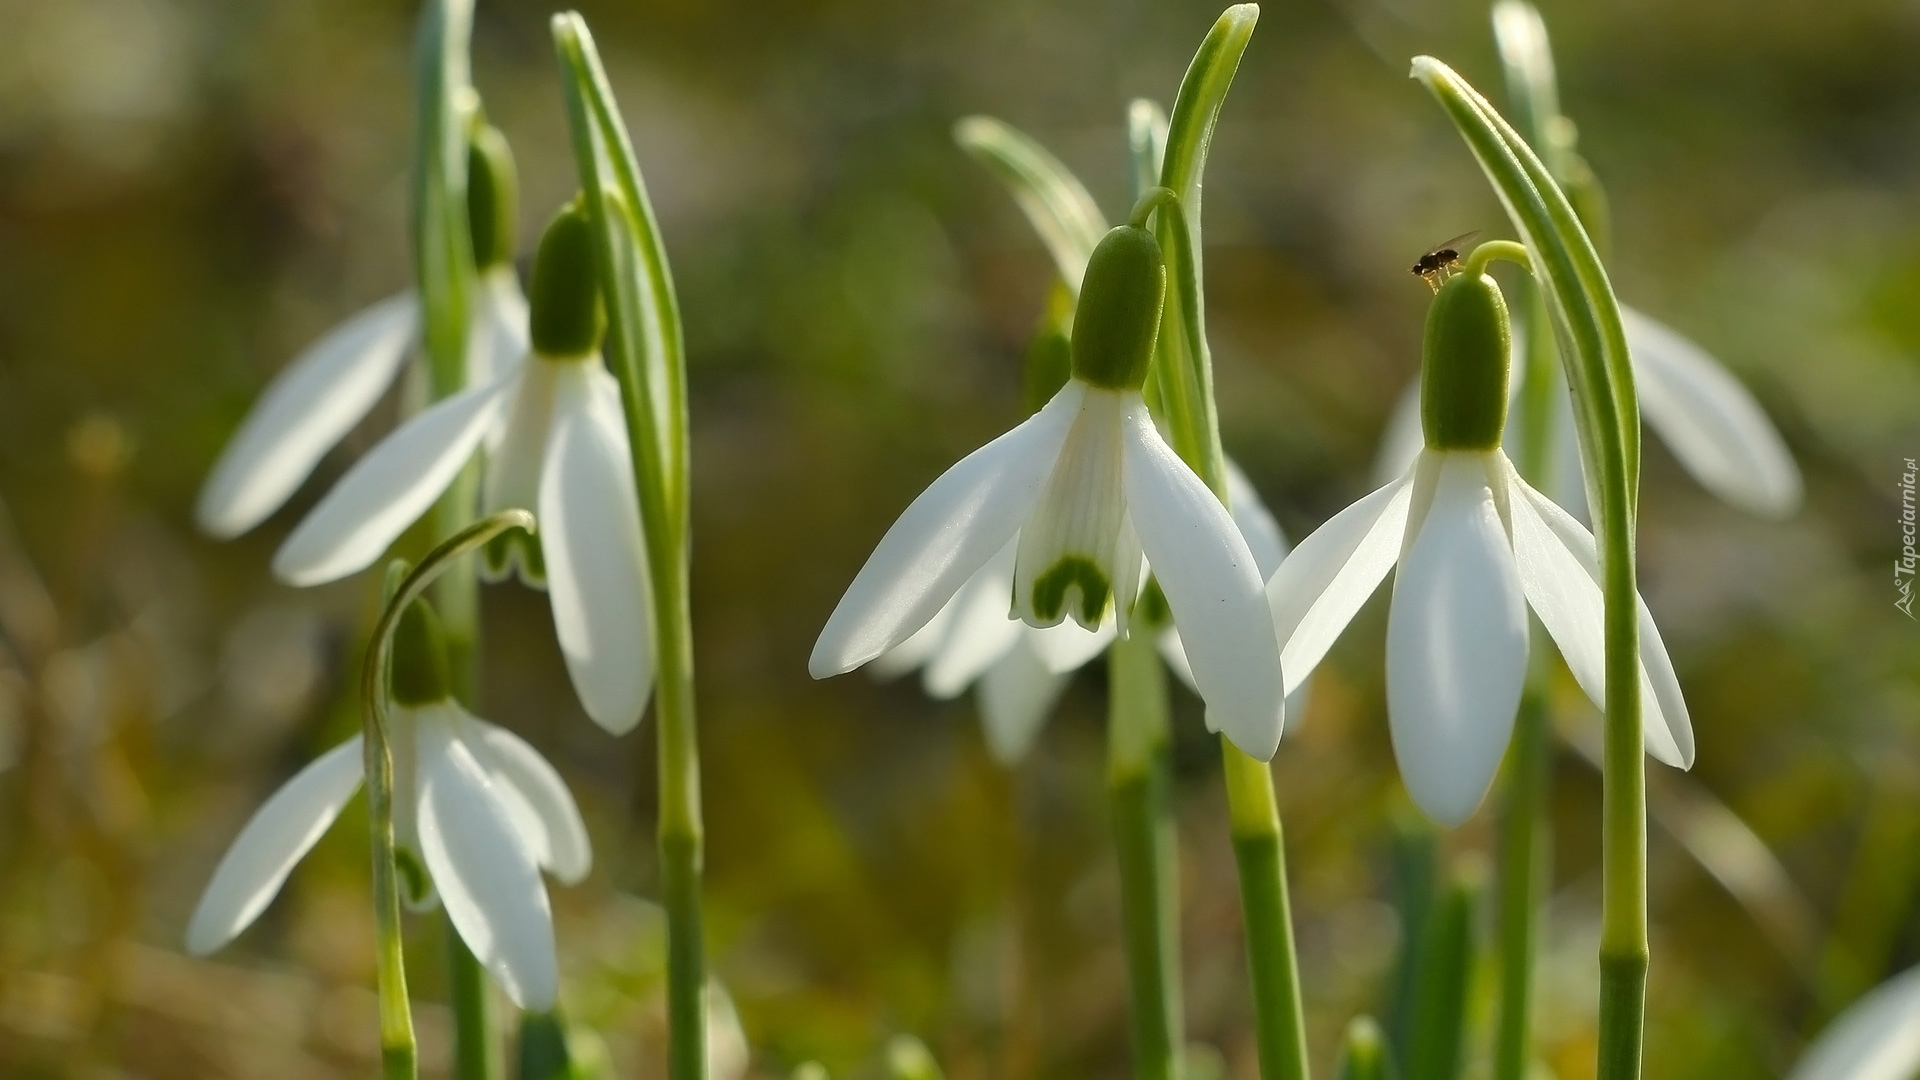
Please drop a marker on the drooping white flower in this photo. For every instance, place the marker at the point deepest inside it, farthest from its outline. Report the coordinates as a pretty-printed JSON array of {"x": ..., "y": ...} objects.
[
  {"x": 1020, "y": 671},
  {"x": 1877, "y": 1038},
  {"x": 328, "y": 389},
  {"x": 1475, "y": 546},
  {"x": 1081, "y": 493},
  {"x": 1716, "y": 430},
  {"x": 557, "y": 445},
  {"x": 478, "y": 806}
]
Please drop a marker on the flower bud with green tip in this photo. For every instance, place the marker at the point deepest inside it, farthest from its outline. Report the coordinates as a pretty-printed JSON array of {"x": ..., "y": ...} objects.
[{"x": 493, "y": 197}]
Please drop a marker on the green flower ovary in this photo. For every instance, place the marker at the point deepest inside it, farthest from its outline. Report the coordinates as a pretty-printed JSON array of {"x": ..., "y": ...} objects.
[
  {"x": 1073, "y": 571},
  {"x": 493, "y": 195},
  {"x": 418, "y": 674},
  {"x": 1118, "y": 318},
  {"x": 1463, "y": 369},
  {"x": 566, "y": 317}
]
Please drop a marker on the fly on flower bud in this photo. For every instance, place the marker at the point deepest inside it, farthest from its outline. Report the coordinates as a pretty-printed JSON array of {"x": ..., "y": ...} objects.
[
  {"x": 1463, "y": 368},
  {"x": 493, "y": 190},
  {"x": 566, "y": 316},
  {"x": 1118, "y": 320}
]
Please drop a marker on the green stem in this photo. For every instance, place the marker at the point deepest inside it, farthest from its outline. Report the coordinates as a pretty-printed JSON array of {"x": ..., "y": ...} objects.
[
  {"x": 1446, "y": 971},
  {"x": 398, "y": 1053},
  {"x": 1279, "y": 1027},
  {"x": 1524, "y": 854},
  {"x": 476, "y": 1054},
  {"x": 1138, "y": 782}
]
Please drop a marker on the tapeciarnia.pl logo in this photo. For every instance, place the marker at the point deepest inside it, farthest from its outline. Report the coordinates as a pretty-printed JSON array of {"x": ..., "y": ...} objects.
[{"x": 1904, "y": 566}]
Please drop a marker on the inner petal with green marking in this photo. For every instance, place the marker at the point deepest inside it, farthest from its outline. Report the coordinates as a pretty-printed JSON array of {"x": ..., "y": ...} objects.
[{"x": 1078, "y": 557}]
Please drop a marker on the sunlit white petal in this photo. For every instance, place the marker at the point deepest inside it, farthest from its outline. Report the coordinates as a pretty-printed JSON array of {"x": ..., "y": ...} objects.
[
  {"x": 1668, "y": 730},
  {"x": 308, "y": 408},
  {"x": 1262, "y": 533},
  {"x": 1075, "y": 556},
  {"x": 1212, "y": 585},
  {"x": 982, "y": 630},
  {"x": 917, "y": 649},
  {"x": 1877, "y": 1038},
  {"x": 1711, "y": 423},
  {"x": 546, "y": 817},
  {"x": 1068, "y": 647},
  {"x": 1456, "y": 644},
  {"x": 1015, "y": 697},
  {"x": 943, "y": 537},
  {"x": 389, "y": 489},
  {"x": 486, "y": 874},
  {"x": 596, "y": 562},
  {"x": 1320, "y": 586},
  {"x": 497, "y": 342},
  {"x": 285, "y": 828},
  {"x": 1174, "y": 652}
]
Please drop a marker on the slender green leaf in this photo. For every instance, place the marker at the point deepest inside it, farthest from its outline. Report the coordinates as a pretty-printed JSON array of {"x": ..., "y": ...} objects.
[
  {"x": 1363, "y": 1053},
  {"x": 442, "y": 250},
  {"x": 1146, "y": 143},
  {"x": 1527, "y": 61},
  {"x": 1055, "y": 202}
]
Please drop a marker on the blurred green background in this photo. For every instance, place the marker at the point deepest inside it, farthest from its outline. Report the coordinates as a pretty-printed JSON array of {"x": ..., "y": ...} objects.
[{"x": 190, "y": 190}]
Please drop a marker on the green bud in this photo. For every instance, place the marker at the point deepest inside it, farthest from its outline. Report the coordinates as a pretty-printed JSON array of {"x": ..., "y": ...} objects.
[
  {"x": 1463, "y": 370},
  {"x": 493, "y": 197},
  {"x": 1364, "y": 1057},
  {"x": 1118, "y": 319},
  {"x": 566, "y": 317},
  {"x": 419, "y": 668},
  {"x": 1049, "y": 359}
]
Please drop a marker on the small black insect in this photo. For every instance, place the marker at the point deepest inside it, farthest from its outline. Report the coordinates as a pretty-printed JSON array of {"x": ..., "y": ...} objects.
[{"x": 1443, "y": 260}]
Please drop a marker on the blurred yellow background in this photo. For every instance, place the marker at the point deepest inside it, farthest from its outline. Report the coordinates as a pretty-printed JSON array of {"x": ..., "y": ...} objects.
[{"x": 191, "y": 190}]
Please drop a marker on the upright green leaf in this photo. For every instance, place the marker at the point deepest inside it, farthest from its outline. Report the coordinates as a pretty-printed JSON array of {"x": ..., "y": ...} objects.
[
  {"x": 442, "y": 250},
  {"x": 1527, "y": 61},
  {"x": 1055, "y": 202}
]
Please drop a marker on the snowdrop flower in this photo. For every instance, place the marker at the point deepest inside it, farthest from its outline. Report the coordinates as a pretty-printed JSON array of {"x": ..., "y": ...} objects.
[
  {"x": 478, "y": 807},
  {"x": 1475, "y": 546},
  {"x": 311, "y": 405},
  {"x": 1877, "y": 1038},
  {"x": 1080, "y": 493},
  {"x": 1021, "y": 671},
  {"x": 1713, "y": 425},
  {"x": 557, "y": 444}
]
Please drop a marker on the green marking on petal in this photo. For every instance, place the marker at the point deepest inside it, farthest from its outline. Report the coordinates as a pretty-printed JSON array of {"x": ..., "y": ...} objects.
[
  {"x": 1071, "y": 572},
  {"x": 515, "y": 553},
  {"x": 415, "y": 884}
]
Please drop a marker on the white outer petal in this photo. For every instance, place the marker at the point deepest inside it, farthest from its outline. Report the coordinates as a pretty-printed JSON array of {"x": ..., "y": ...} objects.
[
  {"x": 1067, "y": 648},
  {"x": 1257, "y": 526},
  {"x": 285, "y": 828},
  {"x": 1402, "y": 440},
  {"x": 1456, "y": 644},
  {"x": 1015, "y": 697},
  {"x": 1211, "y": 583},
  {"x": 547, "y": 818},
  {"x": 1174, "y": 652},
  {"x": 1320, "y": 586},
  {"x": 1876, "y": 1038},
  {"x": 947, "y": 533},
  {"x": 389, "y": 489},
  {"x": 486, "y": 874},
  {"x": 1712, "y": 424},
  {"x": 982, "y": 630},
  {"x": 919, "y": 647},
  {"x": 497, "y": 342},
  {"x": 1562, "y": 573},
  {"x": 307, "y": 408},
  {"x": 597, "y": 575}
]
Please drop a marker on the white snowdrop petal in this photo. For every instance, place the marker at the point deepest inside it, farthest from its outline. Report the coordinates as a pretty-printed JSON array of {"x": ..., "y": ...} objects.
[
  {"x": 283, "y": 830},
  {"x": 1668, "y": 729},
  {"x": 982, "y": 629},
  {"x": 1257, "y": 526},
  {"x": 554, "y": 829},
  {"x": 1320, "y": 586},
  {"x": 1712, "y": 424},
  {"x": 1015, "y": 697},
  {"x": 1561, "y": 590},
  {"x": 1174, "y": 652},
  {"x": 1456, "y": 645},
  {"x": 947, "y": 533},
  {"x": 389, "y": 489},
  {"x": 307, "y": 409},
  {"x": 1876, "y": 1038},
  {"x": 597, "y": 575},
  {"x": 1402, "y": 440},
  {"x": 917, "y": 649},
  {"x": 485, "y": 873},
  {"x": 1067, "y": 648},
  {"x": 1073, "y": 561},
  {"x": 1212, "y": 585},
  {"x": 497, "y": 341}
]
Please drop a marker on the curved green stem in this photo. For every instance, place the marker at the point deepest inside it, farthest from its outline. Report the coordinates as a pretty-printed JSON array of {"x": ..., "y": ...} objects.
[
  {"x": 397, "y": 1048},
  {"x": 1498, "y": 249}
]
